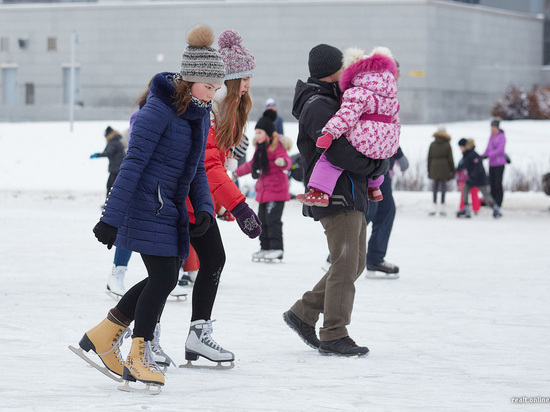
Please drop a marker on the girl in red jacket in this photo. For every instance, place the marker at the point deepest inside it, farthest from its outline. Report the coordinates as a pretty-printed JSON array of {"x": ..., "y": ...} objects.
[
  {"x": 229, "y": 117},
  {"x": 268, "y": 165}
]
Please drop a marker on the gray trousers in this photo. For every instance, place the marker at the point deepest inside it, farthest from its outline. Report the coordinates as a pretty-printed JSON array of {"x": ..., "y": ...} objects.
[
  {"x": 334, "y": 294},
  {"x": 485, "y": 190}
]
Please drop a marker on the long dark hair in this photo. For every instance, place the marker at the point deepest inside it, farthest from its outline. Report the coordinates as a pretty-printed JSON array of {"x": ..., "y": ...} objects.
[
  {"x": 260, "y": 163},
  {"x": 233, "y": 115}
]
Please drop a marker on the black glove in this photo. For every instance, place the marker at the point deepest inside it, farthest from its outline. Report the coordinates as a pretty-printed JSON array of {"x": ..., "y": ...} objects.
[
  {"x": 105, "y": 233},
  {"x": 203, "y": 221}
]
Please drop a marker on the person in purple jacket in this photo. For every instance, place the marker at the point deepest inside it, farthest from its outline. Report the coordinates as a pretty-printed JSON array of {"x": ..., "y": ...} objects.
[
  {"x": 146, "y": 211},
  {"x": 497, "y": 160},
  {"x": 268, "y": 165}
]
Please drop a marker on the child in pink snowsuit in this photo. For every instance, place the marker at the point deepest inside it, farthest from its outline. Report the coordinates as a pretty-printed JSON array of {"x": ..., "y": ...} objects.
[{"x": 368, "y": 118}]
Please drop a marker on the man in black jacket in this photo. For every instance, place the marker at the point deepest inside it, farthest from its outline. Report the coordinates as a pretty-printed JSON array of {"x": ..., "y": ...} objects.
[
  {"x": 315, "y": 102},
  {"x": 115, "y": 152}
]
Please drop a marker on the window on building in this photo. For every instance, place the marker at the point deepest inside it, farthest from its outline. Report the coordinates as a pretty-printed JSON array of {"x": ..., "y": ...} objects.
[
  {"x": 4, "y": 44},
  {"x": 29, "y": 93},
  {"x": 23, "y": 44},
  {"x": 9, "y": 85},
  {"x": 52, "y": 43}
]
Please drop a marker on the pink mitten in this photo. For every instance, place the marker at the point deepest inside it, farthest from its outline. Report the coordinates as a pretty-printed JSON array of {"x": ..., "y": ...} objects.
[{"x": 324, "y": 141}]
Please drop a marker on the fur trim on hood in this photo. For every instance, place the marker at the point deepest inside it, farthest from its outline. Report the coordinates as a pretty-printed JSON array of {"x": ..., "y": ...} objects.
[
  {"x": 442, "y": 132},
  {"x": 286, "y": 142},
  {"x": 378, "y": 61}
]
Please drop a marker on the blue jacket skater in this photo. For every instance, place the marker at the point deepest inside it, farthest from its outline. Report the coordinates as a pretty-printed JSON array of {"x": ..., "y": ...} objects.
[{"x": 164, "y": 165}]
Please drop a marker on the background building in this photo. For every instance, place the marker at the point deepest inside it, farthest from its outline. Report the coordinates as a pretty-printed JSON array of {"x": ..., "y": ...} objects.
[{"x": 456, "y": 57}]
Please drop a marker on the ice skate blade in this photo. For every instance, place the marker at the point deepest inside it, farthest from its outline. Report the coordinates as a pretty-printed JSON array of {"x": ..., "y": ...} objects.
[
  {"x": 148, "y": 388},
  {"x": 177, "y": 298},
  {"x": 80, "y": 353},
  {"x": 221, "y": 365},
  {"x": 381, "y": 275},
  {"x": 264, "y": 260},
  {"x": 115, "y": 296}
]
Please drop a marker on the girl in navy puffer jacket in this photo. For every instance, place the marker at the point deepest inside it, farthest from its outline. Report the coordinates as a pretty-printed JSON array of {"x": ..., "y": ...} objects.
[{"x": 145, "y": 211}]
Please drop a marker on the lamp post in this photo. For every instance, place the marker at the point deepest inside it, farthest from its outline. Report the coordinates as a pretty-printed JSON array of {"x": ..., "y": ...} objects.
[{"x": 72, "y": 85}]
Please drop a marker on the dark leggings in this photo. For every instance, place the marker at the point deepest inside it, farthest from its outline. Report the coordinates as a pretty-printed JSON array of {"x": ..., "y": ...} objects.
[
  {"x": 145, "y": 301},
  {"x": 495, "y": 181},
  {"x": 211, "y": 254},
  {"x": 439, "y": 185}
]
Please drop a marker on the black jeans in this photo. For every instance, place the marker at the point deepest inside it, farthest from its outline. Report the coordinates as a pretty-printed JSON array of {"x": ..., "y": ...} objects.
[
  {"x": 496, "y": 174},
  {"x": 145, "y": 301}
]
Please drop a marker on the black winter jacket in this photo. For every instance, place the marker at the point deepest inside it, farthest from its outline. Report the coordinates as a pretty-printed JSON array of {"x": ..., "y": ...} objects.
[
  {"x": 115, "y": 152},
  {"x": 473, "y": 164},
  {"x": 315, "y": 102}
]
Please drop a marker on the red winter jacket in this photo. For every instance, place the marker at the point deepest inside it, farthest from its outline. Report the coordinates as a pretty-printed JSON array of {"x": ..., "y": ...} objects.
[{"x": 223, "y": 190}]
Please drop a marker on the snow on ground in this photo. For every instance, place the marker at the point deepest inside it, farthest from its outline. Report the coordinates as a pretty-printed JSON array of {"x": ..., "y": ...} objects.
[{"x": 465, "y": 327}]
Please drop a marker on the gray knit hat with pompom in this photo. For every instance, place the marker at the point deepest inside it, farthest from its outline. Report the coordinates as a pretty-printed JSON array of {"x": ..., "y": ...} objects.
[{"x": 201, "y": 63}]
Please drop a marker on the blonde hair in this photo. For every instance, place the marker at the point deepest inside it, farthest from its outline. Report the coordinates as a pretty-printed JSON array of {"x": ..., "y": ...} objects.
[
  {"x": 274, "y": 142},
  {"x": 233, "y": 115}
]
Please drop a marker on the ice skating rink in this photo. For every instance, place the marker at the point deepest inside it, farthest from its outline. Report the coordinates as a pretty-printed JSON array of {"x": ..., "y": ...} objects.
[{"x": 465, "y": 328}]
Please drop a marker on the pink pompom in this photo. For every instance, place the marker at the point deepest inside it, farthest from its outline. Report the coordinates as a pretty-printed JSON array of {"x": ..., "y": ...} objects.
[{"x": 229, "y": 38}]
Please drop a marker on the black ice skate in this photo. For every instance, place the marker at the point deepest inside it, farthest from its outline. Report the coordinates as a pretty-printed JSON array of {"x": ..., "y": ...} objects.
[{"x": 382, "y": 270}]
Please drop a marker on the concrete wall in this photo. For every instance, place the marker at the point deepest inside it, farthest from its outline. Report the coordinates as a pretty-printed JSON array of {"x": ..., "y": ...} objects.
[{"x": 455, "y": 59}]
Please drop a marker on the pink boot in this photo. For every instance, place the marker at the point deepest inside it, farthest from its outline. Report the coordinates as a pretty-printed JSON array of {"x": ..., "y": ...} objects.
[
  {"x": 313, "y": 198},
  {"x": 375, "y": 194}
]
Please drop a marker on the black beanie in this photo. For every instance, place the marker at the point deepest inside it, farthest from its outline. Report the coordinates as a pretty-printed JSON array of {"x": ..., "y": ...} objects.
[
  {"x": 496, "y": 123},
  {"x": 462, "y": 142},
  {"x": 266, "y": 122},
  {"x": 324, "y": 60},
  {"x": 108, "y": 130}
]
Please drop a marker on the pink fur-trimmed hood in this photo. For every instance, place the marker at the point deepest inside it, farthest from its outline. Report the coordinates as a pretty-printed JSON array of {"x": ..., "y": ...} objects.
[{"x": 376, "y": 63}]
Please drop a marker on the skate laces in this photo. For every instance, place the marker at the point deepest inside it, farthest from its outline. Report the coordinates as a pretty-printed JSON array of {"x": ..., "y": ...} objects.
[
  {"x": 155, "y": 344},
  {"x": 116, "y": 346},
  {"x": 206, "y": 336},
  {"x": 148, "y": 360}
]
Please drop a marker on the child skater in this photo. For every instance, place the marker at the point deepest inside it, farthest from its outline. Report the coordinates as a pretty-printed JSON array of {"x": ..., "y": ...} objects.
[
  {"x": 268, "y": 165},
  {"x": 145, "y": 211},
  {"x": 461, "y": 178},
  {"x": 368, "y": 118},
  {"x": 229, "y": 117},
  {"x": 473, "y": 164}
]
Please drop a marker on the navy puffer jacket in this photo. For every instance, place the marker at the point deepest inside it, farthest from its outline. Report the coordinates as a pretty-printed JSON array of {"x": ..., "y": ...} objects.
[{"x": 164, "y": 164}]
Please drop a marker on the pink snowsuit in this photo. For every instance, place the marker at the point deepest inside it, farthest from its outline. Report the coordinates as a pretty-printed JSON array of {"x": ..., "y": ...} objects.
[{"x": 368, "y": 117}]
